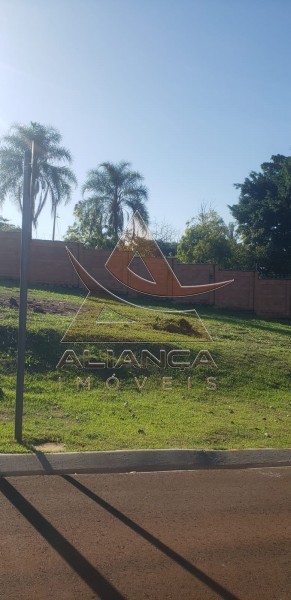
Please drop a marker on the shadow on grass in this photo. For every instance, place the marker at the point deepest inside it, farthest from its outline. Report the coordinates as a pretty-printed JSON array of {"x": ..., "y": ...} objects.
[
  {"x": 41, "y": 456},
  {"x": 247, "y": 319},
  {"x": 90, "y": 575},
  {"x": 58, "y": 289},
  {"x": 178, "y": 558}
]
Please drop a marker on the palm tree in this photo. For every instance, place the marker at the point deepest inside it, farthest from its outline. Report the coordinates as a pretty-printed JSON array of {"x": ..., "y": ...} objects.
[
  {"x": 118, "y": 192},
  {"x": 51, "y": 176}
]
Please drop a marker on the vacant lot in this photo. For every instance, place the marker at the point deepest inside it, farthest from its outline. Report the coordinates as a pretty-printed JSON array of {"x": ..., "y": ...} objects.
[{"x": 238, "y": 396}]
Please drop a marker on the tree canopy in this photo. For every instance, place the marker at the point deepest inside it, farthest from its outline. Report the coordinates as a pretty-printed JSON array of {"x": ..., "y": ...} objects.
[
  {"x": 166, "y": 237},
  {"x": 51, "y": 176},
  {"x": 88, "y": 227},
  {"x": 263, "y": 214},
  {"x": 207, "y": 239},
  {"x": 111, "y": 193},
  {"x": 6, "y": 226}
]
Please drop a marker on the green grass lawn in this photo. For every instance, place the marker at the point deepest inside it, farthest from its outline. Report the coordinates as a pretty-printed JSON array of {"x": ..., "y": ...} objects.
[{"x": 250, "y": 407}]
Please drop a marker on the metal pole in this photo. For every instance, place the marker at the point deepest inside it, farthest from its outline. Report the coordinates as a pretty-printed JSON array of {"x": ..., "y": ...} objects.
[
  {"x": 54, "y": 225},
  {"x": 25, "y": 246}
]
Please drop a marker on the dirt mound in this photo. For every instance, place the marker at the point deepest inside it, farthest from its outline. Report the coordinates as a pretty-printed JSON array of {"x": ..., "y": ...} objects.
[
  {"x": 180, "y": 326},
  {"x": 53, "y": 307}
]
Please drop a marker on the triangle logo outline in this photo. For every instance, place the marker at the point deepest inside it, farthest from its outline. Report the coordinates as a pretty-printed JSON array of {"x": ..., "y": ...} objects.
[
  {"x": 117, "y": 317},
  {"x": 150, "y": 278}
]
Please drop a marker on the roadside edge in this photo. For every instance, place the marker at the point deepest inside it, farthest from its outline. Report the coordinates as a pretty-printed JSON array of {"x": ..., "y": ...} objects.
[{"x": 125, "y": 461}]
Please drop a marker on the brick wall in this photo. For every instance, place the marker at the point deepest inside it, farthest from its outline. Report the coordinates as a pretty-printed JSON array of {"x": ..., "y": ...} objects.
[{"x": 49, "y": 264}]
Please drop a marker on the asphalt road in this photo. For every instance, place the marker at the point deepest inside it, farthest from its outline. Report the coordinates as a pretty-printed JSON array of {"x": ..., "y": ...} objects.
[{"x": 196, "y": 535}]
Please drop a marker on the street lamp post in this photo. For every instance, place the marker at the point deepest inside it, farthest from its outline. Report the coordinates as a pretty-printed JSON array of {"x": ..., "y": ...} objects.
[{"x": 25, "y": 247}]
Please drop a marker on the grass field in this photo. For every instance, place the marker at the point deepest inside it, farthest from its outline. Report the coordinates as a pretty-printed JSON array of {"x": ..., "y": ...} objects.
[{"x": 250, "y": 407}]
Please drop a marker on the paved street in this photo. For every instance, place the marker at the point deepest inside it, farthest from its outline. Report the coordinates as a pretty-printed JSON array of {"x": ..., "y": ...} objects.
[{"x": 198, "y": 535}]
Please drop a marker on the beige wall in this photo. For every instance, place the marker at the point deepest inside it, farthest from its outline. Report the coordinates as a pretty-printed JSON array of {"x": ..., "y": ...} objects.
[{"x": 49, "y": 264}]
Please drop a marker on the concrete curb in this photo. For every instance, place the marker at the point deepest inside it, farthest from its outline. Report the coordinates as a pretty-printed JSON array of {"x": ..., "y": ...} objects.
[{"x": 125, "y": 461}]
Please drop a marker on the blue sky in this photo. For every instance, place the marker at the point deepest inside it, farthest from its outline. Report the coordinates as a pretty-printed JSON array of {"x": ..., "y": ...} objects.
[{"x": 195, "y": 94}]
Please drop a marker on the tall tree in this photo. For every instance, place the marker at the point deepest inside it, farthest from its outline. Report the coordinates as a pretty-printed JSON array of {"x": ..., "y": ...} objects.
[
  {"x": 207, "y": 239},
  {"x": 264, "y": 214},
  {"x": 166, "y": 237},
  {"x": 51, "y": 176},
  {"x": 116, "y": 191},
  {"x": 89, "y": 227}
]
